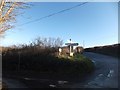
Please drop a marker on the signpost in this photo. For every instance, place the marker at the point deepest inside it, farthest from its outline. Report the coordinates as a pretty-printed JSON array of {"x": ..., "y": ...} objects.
[
  {"x": 60, "y": 51},
  {"x": 71, "y": 45}
]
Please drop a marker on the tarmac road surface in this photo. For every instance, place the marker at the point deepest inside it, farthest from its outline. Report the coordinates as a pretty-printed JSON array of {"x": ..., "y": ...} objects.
[{"x": 105, "y": 74}]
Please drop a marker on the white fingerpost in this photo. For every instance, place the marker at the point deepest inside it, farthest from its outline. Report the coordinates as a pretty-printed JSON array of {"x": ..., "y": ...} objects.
[
  {"x": 60, "y": 51},
  {"x": 71, "y": 45}
]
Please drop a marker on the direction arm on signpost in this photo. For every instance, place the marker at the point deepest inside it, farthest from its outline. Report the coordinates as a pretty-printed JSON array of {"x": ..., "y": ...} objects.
[{"x": 71, "y": 44}]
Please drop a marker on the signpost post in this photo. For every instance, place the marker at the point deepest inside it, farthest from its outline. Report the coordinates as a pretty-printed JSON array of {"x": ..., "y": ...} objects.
[{"x": 71, "y": 45}]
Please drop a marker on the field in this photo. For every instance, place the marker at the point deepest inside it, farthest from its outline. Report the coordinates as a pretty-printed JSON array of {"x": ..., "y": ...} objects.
[{"x": 111, "y": 50}]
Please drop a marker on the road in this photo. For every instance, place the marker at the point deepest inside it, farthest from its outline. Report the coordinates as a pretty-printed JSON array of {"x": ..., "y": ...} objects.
[
  {"x": 12, "y": 83},
  {"x": 105, "y": 74}
]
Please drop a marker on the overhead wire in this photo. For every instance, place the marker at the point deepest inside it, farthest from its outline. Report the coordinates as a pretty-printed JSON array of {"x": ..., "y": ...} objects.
[{"x": 50, "y": 15}]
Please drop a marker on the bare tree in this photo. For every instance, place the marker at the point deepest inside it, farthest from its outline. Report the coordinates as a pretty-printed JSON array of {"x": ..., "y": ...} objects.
[
  {"x": 48, "y": 42},
  {"x": 8, "y": 13}
]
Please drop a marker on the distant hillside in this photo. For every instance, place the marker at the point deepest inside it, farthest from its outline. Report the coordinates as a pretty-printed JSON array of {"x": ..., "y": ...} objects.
[{"x": 111, "y": 50}]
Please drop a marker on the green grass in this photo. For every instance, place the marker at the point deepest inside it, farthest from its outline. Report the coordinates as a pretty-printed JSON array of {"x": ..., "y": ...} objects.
[
  {"x": 86, "y": 64},
  {"x": 78, "y": 57}
]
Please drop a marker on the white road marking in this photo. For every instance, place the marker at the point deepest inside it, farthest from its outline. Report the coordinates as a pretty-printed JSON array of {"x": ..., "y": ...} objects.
[
  {"x": 52, "y": 85},
  {"x": 110, "y": 73},
  {"x": 100, "y": 75},
  {"x": 62, "y": 82}
]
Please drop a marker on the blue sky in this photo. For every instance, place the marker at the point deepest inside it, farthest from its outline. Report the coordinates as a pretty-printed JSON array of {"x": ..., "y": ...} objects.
[{"x": 95, "y": 23}]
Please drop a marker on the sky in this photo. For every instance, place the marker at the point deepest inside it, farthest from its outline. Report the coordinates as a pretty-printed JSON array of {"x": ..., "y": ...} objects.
[{"x": 92, "y": 24}]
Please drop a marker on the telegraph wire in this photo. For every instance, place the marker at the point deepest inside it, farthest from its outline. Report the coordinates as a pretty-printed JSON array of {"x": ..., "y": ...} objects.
[{"x": 50, "y": 15}]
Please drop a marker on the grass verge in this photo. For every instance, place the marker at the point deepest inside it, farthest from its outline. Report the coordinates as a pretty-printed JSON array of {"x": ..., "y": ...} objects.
[{"x": 76, "y": 65}]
